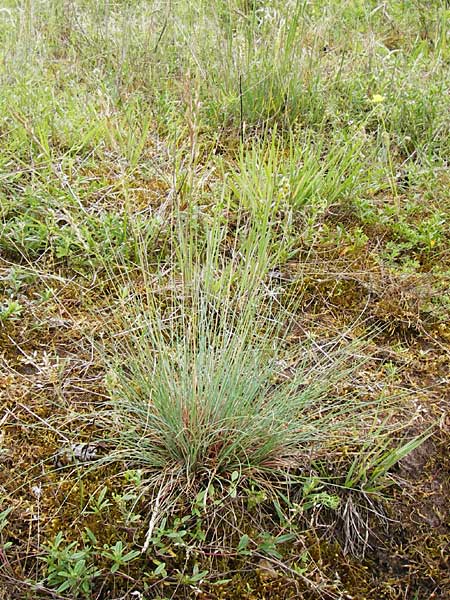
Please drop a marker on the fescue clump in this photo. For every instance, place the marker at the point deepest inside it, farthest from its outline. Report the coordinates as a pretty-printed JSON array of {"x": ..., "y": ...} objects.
[
  {"x": 206, "y": 379},
  {"x": 203, "y": 392}
]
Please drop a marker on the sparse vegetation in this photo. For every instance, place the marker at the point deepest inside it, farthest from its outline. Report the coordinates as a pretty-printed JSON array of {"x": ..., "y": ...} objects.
[{"x": 224, "y": 303}]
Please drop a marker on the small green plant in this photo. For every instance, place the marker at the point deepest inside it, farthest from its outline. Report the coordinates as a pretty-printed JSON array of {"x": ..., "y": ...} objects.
[
  {"x": 314, "y": 495},
  {"x": 193, "y": 578},
  {"x": 269, "y": 544},
  {"x": 168, "y": 535},
  {"x": 134, "y": 477},
  {"x": 98, "y": 504},
  {"x": 126, "y": 502},
  {"x": 46, "y": 295},
  {"x": 242, "y": 547},
  {"x": 69, "y": 568},
  {"x": 255, "y": 497},
  {"x": 118, "y": 555},
  {"x": 160, "y": 571},
  {"x": 3, "y": 523},
  {"x": 10, "y": 310}
]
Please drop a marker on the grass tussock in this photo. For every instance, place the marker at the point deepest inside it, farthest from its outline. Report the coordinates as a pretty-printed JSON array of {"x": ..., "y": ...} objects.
[{"x": 198, "y": 387}]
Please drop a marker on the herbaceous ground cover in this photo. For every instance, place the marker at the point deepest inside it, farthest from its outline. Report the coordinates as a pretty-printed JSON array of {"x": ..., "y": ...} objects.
[{"x": 224, "y": 275}]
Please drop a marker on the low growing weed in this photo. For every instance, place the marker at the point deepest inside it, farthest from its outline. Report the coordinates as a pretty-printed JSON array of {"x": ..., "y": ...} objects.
[{"x": 69, "y": 568}]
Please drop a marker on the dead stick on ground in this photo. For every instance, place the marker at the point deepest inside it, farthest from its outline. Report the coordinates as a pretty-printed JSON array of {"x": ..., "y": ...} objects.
[{"x": 153, "y": 519}]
